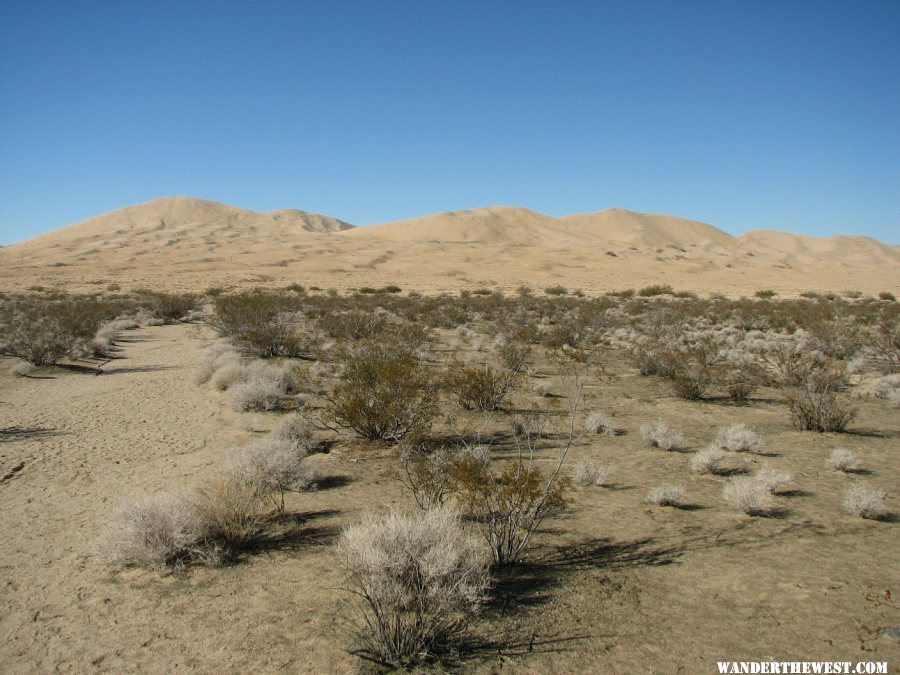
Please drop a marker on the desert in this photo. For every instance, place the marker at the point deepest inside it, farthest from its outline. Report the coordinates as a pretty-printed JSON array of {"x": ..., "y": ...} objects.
[{"x": 480, "y": 441}]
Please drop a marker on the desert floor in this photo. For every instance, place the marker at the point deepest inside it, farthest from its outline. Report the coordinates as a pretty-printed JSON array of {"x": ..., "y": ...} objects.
[{"x": 612, "y": 585}]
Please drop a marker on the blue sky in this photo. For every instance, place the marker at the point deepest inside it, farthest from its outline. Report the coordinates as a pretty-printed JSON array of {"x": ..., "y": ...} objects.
[{"x": 747, "y": 115}]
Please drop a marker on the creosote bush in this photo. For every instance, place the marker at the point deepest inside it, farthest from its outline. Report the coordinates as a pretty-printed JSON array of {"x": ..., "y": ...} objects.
[
  {"x": 383, "y": 392},
  {"x": 508, "y": 503},
  {"x": 479, "y": 387},
  {"x": 417, "y": 579},
  {"x": 814, "y": 404}
]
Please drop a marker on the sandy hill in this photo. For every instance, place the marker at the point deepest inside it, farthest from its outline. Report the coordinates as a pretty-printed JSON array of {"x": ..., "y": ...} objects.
[{"x": 183, "y": 242}]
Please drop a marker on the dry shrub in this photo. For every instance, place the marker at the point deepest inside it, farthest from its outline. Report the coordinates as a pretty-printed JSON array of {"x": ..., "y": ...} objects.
[
  {"x": 232, "y": 505},
  {"x": 297, "y": 430},
  {"x": 865, "y": 501},
  {"x": 599, "y": 422},
  {"x": 508, "y": 504},
  {"x": 418, "y": 580},
  {"x": 738, "y": 438},
  {"x": 774, "y": 480},
  {"x": 429, "y": 474},
  {"x": 383, "y": 392},
  {"x": 216, "y": 356},
  {"x": 591, "y": 475},
  {"x": 660, "y": 435},
  {"x": 479, "y": 387},
  {"x": 748, "y": 495},
  {"x": 276, "y": 465},
  {"x": 843, "y": 460},
  {"x": 158, "y": 532},
  {"x": 261, "y": 324},
  {"x": 666, "y": 495},
  {"x": 814, "y": 405},
  {"x": 255, "y": 395},
  {"x": 708, "y": 460}
]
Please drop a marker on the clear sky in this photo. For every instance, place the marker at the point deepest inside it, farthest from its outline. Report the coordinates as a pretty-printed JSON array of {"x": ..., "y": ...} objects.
[{"x": 744, "y": 114}]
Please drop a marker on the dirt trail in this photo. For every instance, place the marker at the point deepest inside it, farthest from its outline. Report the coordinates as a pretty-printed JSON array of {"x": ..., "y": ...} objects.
[{"x": 72, "y": 447}]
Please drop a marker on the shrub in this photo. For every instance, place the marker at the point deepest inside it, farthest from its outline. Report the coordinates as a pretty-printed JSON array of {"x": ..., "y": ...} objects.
[
  {"x": 556, "y": 290},
  {"x": 157, "y": 532},
  {"x": 738, "y": 438},
  {"x": 260, "y": 324},
  {"x": 659, "y": 435},
  {"x": 865, "y": 501},
  {"x": 478, "y": 387},
  {"x": 774, "y": 480},
  {"x": 384, "y": 392},
  {"x": 814, "y": 404},
  {"x": 276, "y": 465},
  {"x": 172, "y": 307},
  {"x": 765, "y": 293},
  {"x": 232, "y": 507},
  {"x": 508, "y": 504},
  {"x": 216, "y": 356},
  {"x": 666, "y": 495},
  {"x": 418, "y": 580},
  {"x": 599, "y": 423},
  {"x": 588, "y": 474},
  {"x": 708, "y": 460},
  {"x": 843, "y": 460},
  {"x": 45, "y": 333},
  {"x": 887, "y": 295},
  {"x": 656, "y": 289},
  {"x": 296, "y": 430},
  {"x": 748, "y": 495},
  {"x": 255, "y": 395},
  {"x": 429, "y": 474}
]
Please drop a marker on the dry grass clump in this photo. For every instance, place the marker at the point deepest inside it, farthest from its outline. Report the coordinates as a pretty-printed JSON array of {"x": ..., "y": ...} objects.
[
  {"x": 660, "y": 435},
  {"x": 738, "y": 438},
  {"x": 599, "y": 422},
  {"x": 865, "y": 501},
  {"x": 257, "y": 385},
  {"x": 748, "y": 495},
  {"x": 774, "y": 480},
  {"x": 158, "y": 532},
  {"x": 666, "y": 495},
  {"x": 591, "y": 475},
  {"x": 844, "y": 460},
  {"x": 418, "y": 579},
  {"x": 708, "y": 460}
]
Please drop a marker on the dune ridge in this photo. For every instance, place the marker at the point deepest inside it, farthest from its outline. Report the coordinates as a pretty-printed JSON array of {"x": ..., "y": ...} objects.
[{"x": 185, "y": 242}]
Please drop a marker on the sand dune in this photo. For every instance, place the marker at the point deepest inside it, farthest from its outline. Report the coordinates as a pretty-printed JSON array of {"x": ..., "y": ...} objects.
[{"x": 182, "y": 242}]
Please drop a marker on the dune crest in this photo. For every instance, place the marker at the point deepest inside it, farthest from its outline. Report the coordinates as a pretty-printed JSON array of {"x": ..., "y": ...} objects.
[{"x": 183, "y": 242}]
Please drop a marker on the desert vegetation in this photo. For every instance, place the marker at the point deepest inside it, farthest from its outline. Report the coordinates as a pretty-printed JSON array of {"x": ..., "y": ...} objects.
[{"x": 479, "y": 429}]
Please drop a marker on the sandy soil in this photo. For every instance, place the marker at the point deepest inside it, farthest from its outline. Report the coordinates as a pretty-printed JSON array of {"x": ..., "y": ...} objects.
[
  {"x": 192, "y": 244},
  {"x": 614, "y": 585}
]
